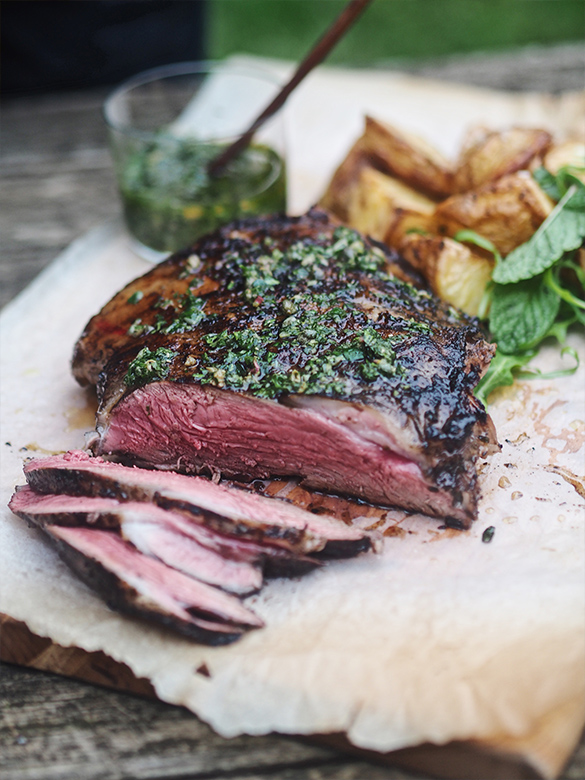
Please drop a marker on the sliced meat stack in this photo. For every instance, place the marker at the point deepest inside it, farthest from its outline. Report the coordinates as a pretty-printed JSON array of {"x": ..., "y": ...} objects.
[
  {"x": 293, "y": 347},
  {"x": 180, "y": 550}
]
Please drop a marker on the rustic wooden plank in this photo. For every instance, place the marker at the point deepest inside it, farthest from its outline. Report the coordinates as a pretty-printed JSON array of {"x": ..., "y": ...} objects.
[
  {"x": 67, "y": 203},
  {"x": 54, "y": 729},
  {"x": 57, "y": 179},
  {"x": 88, "y": 733}
]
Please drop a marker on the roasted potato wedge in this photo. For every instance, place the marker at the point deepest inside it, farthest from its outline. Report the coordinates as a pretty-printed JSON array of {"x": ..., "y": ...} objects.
[
  {"x": 339, "y": 192},
  {"x": 375, "y": 198},
  {"x": 567, "y": 153},
  {"x": 507, "y": 211},
  {"x": 455, "y": 272},
  {"x": 497, "y": 154},
  {"x": 409, "y": 158},
  {"x": 406, "y": 222}
]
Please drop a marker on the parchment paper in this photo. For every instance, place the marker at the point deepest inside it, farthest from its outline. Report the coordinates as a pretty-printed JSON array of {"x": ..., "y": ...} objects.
[{"x": 439, "y": 638}]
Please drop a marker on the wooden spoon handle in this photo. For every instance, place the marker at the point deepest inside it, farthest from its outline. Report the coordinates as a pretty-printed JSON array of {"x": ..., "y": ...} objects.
[{"x": 317, "y": 54}]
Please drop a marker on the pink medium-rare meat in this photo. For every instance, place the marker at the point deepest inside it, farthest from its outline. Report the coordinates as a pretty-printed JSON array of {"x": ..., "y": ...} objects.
[
  {"x": 152, "y": 530},
  {"x": 293, "y": 347},
  {"x": 108, "y": 513},
  {"x": 229, "y": 511},
  {"x": 188, "y": 426},
  {"x": 136, "y": 584},
  {"x": 113, "y": 526}
]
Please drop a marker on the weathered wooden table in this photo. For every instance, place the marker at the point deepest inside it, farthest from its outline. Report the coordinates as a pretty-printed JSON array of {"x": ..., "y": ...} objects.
[{"x": 57, "y": 183}]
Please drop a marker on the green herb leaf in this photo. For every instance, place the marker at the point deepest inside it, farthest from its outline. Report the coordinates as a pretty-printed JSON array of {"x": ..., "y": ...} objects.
[
  {"x": 135, "y": 297},
  {"x": 547, "y": 183},
  {"x": 522, "y": 314},
  {"x": 505, "y": 369},
  {"x": 559, "y": 372},
  {"x": 471, "y": 237},
  {"x": 501, "y": 373},
  {"x": 149, "y": 366},
  {"x": 562, "y": 231},
  {"x": 559, "y": 330},
  {"x": 553, "y": 281},
  {"x": 190, "y": 315},
  {"x": 567, "y": 176}
]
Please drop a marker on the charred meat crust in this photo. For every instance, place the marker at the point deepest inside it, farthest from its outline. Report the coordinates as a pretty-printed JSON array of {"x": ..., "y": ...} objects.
[
  {"x": 167, "y": 536},
  {"x": 106, "y": 334},
  {"x": 110, "y": 525},
  {"x": 83, "y": 483},
  {"x": 273, "y": 561}
]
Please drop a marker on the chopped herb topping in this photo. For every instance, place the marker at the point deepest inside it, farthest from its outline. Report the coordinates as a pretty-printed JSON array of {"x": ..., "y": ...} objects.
[
  {"x": 331, "y": 318},
  {"x": 138, "y": 328},
  {"x": 185, "y": 316},
  {"x": 304, "y": 262},
  {"x": 149, "y": 366},
  {"x": 135, "y": 297},
  {"x": 190, "y": 315},
  {"x": 321, "y": 348}
]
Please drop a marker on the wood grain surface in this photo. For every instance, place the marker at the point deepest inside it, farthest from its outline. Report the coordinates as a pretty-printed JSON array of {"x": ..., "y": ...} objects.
[{"x": 57, "y": 183}]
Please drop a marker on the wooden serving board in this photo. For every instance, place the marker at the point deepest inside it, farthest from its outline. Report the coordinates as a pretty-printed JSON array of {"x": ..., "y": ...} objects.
[{"x": 454, "y": 761}]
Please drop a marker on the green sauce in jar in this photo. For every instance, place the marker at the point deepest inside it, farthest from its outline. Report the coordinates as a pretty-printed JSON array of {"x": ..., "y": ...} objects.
[{"x": 170, "y": 200}]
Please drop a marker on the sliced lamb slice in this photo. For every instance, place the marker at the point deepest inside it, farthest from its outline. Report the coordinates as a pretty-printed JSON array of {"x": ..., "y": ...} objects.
[
  {"x": 227, "y": 510},
  {"x": 184, "y": 554},
  {"x": 152, "y": 530},
  {"x": 274, "y": 561},
  {"x": 134, "y": 583}
]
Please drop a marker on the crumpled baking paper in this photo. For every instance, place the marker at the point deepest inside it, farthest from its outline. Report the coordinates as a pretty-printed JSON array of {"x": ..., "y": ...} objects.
[{"x": 441, "y": 636}]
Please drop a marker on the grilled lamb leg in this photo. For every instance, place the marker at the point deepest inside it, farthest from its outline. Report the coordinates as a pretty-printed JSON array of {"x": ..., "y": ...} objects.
[{"x": 282, "y": 347}]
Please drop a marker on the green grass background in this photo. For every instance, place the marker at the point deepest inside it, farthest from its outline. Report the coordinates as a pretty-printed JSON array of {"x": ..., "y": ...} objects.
[{"x": 391, "y": 29}]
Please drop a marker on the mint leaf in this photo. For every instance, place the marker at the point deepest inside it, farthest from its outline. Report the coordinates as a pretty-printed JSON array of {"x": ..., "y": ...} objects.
[
  {"x": 501, "y": 373},
  {"x": 521, "y": 314},
  {"x": 471, "y": 237},
  {"x": 547, "y": 183},
  {"x": 505, "y": 369},
  {"x": 567, "y": 176},
  {"x": 560, "y": 328},
  {"x": 552, "y": 279},
  {"x": 562, "y": 231}
]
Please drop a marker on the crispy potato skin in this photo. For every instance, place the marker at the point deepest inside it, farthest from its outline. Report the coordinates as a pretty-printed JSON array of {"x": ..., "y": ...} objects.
[
  {"x": 507, "y": 211},
  {"x": 567, "y": 153},
  {"x": 409, "y": 158},
  {"x": 497, "y": 154},
  {"x": 340, "y": 190},
  {"x": 406, "y": 222}
]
